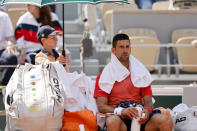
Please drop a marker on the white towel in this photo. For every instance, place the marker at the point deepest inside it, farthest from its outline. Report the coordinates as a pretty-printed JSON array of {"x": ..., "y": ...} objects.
[
  {"x": 115, "y": 71},
  {"x": 79, "y": 90}
]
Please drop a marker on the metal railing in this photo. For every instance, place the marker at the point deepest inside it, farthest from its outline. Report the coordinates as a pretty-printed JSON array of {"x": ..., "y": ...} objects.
[{"x": 107, "y": 48}]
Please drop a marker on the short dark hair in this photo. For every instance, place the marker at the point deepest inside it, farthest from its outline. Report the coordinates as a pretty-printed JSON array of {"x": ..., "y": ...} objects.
[{"x": 118, "y": 37}]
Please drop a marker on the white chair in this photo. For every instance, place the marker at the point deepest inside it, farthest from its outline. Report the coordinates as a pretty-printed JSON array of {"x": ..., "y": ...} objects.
[
  {"x": 107, "y": 9},
  {"x": 183, "y": 36},
  {"x": 161, "y": 5},
  {"x": 185, "y": 4},
  {"x": 147, "y": 55},
  {"x": 187, "y": 32},
  {"x": 139, "y": 32},
  {"x": 187, "y": 55}
]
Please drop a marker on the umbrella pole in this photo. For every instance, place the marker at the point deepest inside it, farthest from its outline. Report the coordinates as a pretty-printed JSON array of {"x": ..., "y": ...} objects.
[
  {"x": 82, "y": 56},
  {"x": 63, "y": 50}
]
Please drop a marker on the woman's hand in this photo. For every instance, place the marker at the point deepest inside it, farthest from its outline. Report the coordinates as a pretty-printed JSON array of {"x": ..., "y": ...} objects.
[{"x": 64, "y": 60}]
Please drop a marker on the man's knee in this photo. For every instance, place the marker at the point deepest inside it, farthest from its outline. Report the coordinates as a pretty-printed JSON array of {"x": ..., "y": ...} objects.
[
  {"x": 114, "y": 123},
  {"x": 111, "y": 120},
  {"x": 162, "y": 121},
  {"x": 166, "y": 121}
]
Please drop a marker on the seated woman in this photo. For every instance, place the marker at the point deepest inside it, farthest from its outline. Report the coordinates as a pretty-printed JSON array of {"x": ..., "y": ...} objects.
[{"x": 47, "y": 36}]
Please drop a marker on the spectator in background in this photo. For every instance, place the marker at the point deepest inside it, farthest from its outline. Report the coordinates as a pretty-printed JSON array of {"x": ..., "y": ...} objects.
[
  {"x": 146, "y": 4},
  {"x": 27, "y": 27},
  {"x": 6, "y": 29},
  {"x": 10, "y": 56}
]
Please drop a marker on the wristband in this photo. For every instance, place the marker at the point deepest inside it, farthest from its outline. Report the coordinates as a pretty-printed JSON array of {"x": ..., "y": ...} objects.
[
  {"x": 149, "y": 109},
  {"x": 118, "y": 111}
]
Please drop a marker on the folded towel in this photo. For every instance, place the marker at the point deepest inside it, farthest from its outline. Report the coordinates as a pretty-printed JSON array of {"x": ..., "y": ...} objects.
[{"x": 115, "y": 71}]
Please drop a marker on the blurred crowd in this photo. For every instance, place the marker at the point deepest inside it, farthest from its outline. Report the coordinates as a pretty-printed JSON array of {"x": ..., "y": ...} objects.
[{"x": 20, "y": 45}]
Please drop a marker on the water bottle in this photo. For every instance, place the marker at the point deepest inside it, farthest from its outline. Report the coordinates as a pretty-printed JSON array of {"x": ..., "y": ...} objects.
[
  {"x": 81, "y": 127},
  {"x": 135, "y": 125}
]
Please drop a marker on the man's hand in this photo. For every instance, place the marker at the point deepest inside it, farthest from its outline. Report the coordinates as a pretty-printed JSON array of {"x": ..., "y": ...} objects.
[
  {"x": 130, "y": 113},
  {"x": 144, "y": 118}
]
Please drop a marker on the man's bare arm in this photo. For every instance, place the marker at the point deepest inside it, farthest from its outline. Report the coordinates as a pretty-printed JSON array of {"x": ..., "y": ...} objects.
[
  {"x": 103, "y": 107},
  {"x": 148, "y": 101}
]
